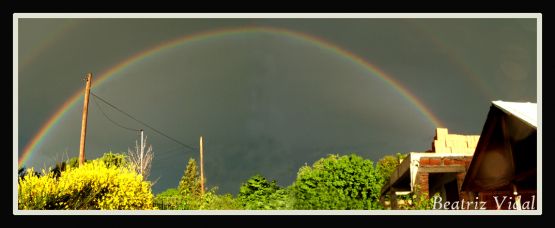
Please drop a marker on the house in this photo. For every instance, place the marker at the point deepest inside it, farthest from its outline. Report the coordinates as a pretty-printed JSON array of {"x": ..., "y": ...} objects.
[
  {"x": 440, "y": 170},
  {"x": 503, "y": 171}
]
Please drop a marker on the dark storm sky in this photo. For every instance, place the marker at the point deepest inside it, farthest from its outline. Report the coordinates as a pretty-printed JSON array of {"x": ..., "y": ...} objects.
[{"x": 264, "y": 102}]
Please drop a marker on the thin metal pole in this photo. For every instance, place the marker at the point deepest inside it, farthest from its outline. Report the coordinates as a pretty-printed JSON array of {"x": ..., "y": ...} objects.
[
  {"x": 142, "y": 151},
  {"x": 201, "y": 167}
]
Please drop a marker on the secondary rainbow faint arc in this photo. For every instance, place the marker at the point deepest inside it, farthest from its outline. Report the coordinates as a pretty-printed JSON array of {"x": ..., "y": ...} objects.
[
  {"x": 137, "y": 57},
  {"x": 454, "y": 58}
]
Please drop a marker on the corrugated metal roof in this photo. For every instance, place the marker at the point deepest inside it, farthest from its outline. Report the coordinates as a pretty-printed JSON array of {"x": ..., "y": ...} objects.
[{"x": 526, "y": 111}]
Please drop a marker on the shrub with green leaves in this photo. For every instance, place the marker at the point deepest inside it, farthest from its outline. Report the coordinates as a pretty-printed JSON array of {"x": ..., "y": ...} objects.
[
  {"x": 188, "y": 194},
  {"x": 173, "y": 199},
  {"x": 170, "y": 199},
  {"x": 260, "y": 194},
  {"x": 338, "y": 183},
  {"x": 416, "y": 200},
  {"x": 115, "y": 159},
  {"x": 387, "y": 165},
  {"x": 94, "y": 185},
  {"x": 213, "y": 201}
]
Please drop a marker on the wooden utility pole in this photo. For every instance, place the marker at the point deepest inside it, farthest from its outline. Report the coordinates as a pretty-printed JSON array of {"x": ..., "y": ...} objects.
[
  {"x": 84, "y": 120},
  {"x": 201, "y": 167}
]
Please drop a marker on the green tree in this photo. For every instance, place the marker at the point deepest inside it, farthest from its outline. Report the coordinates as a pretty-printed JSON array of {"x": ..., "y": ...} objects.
[
  {"x": 387, "y": 165},
  {"x": 190, "y": 190},
  {"x": 260, "y": 194},
  {"x": 190, "y": 181},
  {"x": 188, "y": 195},
  {"x": 338, "y": 183},
  {"x": 113, "y": 159}
]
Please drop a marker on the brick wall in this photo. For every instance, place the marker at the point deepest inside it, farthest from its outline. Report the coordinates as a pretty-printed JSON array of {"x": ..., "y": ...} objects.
[
  {"x": 422, "y": 183},
  {"x": 422, "y": 178},
  {"x": 446, "y": 161}
]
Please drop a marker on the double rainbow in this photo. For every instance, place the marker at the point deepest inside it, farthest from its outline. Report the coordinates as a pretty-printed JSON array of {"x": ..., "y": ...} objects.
[{"x": 38, "y": 139}]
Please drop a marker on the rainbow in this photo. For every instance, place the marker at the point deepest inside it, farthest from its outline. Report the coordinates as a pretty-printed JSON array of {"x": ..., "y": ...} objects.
[
  {"x": 47, "y": 42},
  {"x": 149, "y": 52},
  {"x": 454, "y": 58}
]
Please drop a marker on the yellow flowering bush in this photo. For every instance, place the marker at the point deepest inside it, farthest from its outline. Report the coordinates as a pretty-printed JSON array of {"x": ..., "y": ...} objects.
[
  {"x": 37, "y": 192},
  {"x": 91, "y": 186}
]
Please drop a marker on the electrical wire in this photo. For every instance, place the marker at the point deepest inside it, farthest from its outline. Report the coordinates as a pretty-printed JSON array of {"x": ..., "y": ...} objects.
[
  {"x": 110, "y": 119},
  {"x": 143, "y": 123}
]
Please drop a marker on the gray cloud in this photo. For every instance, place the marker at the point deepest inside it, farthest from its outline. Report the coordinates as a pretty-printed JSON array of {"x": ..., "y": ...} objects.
[{"x": 265, "y": 103}]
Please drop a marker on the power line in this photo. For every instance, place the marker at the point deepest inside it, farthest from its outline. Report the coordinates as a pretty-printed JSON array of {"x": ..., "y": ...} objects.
[
  {"x": 143, "y": 123},
  {"x": 130, "y": 129},
  {"x": 114, "y": 122}
]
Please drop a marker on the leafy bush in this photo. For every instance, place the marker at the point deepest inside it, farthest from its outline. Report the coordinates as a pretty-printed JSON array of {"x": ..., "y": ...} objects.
[
  {"x": 213, "y": 201},
  {"x": 188, "y": 195},
  {"x": 338, "y": 183},
  {"x": 170, "y": 199},
  {"x": 387, "y": 165},
  {"x": 95, "y": 185},
  {"x": 114, "y": 159},
  {"x": 259, "y": 194},
  {"x": 416, "y": 200},
  {"x": 173, "y": 199}
]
